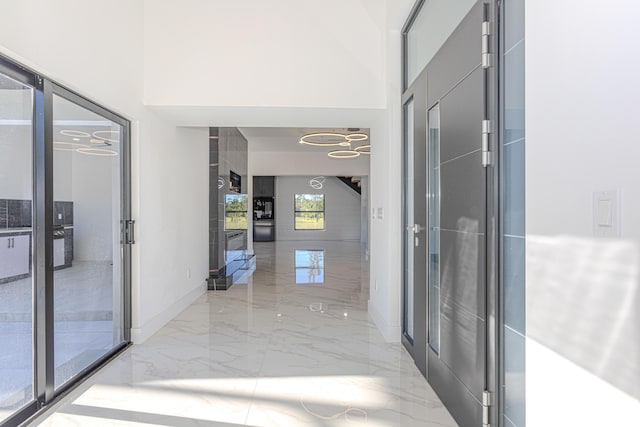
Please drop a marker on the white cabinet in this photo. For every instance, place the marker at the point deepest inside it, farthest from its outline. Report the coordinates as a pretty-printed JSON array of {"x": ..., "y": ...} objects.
[
  {"x": 58, "y": 252},
  {"x": 15, "y": 255}
]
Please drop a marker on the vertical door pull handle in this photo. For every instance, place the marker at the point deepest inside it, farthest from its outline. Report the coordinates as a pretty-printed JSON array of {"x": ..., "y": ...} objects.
[{"x": 130, "y": 232}]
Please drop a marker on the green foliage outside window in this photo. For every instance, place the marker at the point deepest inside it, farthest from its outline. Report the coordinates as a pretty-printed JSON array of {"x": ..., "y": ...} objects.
[
  {"x": 309, "y": 212},
  {"x": 235, "y": 212}
]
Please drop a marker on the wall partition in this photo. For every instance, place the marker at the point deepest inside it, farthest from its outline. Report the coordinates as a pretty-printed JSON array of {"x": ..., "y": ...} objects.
[{"x": 65, "y": 239}]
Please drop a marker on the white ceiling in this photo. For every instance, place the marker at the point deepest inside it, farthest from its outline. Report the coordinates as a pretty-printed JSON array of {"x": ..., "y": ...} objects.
[{"x": 287, "y": 139}]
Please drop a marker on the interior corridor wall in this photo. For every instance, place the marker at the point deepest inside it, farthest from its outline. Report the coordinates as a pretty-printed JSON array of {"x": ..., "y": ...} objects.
[
  {"x": 170, "y": 168},
  {"x": 341, "y": 204},
  {"x": 582, "y": 290}
]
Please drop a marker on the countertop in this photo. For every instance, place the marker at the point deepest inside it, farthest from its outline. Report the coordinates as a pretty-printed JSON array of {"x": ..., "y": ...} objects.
[{"x": 20, "y": 230}]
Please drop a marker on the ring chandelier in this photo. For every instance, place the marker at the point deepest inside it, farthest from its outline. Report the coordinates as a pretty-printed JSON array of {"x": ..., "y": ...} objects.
[
  {"x": 363, "y": 149},
  {"x": 343, "y": 154},
  {"x": 335, "y": 139},
  {"x": 98, "y": 139}
]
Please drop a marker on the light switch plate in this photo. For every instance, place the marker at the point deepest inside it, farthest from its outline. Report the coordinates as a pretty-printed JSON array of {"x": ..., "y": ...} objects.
[
  {"x": 606, "y": 213},
  {"x": 380, "y": 213}
]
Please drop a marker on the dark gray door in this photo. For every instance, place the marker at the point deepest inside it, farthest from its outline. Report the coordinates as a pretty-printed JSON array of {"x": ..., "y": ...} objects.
[{"x": 457, "y": 222}]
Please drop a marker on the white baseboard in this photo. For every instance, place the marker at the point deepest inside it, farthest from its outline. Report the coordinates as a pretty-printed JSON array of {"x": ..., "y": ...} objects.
[
  {"x": 390, "y": 333},
  {"x": 141, "y": 334}
]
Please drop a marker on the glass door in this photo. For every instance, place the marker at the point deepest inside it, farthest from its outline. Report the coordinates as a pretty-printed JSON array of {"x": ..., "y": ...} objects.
[
  {"x": 65, "y": 240},
  {"x": 16, "y": 246},
  {"x": 87, "y": 244},
  {"x": 434, "y": 228},
  {"x": 415, "y": 237}
]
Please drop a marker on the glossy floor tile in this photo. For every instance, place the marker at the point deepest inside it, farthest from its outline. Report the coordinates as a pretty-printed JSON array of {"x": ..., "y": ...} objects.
[
  {"x": 84, "y": 328},
  {"x": 278, "y": 351}
]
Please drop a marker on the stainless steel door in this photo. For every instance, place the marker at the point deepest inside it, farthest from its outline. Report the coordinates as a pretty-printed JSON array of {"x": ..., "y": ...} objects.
[{"x": 457, "y": 222}]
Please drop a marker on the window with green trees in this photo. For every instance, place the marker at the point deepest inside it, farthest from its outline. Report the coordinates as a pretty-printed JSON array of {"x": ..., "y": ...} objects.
[
  {"x": 235, "y": 212},
  {"x": 309, "y": 212}
]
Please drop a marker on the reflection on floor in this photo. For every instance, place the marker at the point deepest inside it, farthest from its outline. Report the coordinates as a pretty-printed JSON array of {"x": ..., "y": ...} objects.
[
  {"x": 83, "y": 328},
  {"x": 309, "y": 266},
  {"x": 269, "y": 353}
]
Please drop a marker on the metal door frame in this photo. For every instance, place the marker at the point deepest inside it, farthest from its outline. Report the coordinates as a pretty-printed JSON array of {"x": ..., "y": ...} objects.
[{"x": 417, "y": 344}]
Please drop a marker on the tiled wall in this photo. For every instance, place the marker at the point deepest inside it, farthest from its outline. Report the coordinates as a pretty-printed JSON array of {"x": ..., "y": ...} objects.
[
  {"x": 18, "y": 213},
  {"x": 15, "y": 213},
  {"x": 514, "y": 215},
  {"x": 227, "y": 152}
]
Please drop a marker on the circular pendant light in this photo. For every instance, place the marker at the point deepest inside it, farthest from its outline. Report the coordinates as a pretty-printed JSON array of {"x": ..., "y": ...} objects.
[
  {"x": 74, "y": 133},
  {"x": 343, "y": 154},
  {"x": 67, "y": 146},
  {"x": 325, "y": 139},
  {"x": 363, "y": 149},
  {"x": 111, "y": 135},
  {"x": 356, "y": 137},
  {"x": 100, "y": 152}
]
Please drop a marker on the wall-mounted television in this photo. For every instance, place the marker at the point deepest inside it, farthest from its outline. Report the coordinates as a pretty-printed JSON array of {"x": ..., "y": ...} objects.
[{"x": 235, "y": 182}]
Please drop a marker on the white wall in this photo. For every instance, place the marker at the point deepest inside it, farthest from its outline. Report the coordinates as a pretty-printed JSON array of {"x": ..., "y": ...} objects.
[
  {"x": 278, "y": 53},
  {"x": 16, "y": 161},
  {"x": 583, "y": 291},
  {"x": 386, "y": 187},
  {"x": 170, "y": 170},
  {"x": 272, "y": 163},
  {"x": 342, "y": 209}
]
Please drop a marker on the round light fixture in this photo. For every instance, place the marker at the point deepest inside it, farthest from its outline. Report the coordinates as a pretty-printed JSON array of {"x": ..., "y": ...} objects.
[
  {"x": 325, "y": 139},
  {"x": 361, "y": 149},
  {"x": 75, "y": 133},
  {"x": 100, "y": 152},
  {"x": 98, "y": 134},
  {"x": 355, "y": 137},
  {"x": 343, "y": 154},
  {"x": 67, "y": 146},
  {"x": 317, "y": 182}
]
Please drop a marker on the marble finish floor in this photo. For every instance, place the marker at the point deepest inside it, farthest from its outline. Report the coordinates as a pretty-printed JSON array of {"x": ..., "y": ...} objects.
[{"x": 267, "y": 353}]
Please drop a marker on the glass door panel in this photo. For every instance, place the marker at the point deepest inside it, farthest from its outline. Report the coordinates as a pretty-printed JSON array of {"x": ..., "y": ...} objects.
[
  {"x": 16, "y": 279},
  {"x": 87, "y": 247},
  {"x": 409, "y": 221},
  {"x": 434, "y": 227}
]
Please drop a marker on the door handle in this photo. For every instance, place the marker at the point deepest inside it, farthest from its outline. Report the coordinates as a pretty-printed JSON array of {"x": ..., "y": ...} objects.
[
  {"x": 8, "y": 242},
  {"x": 130, "y": 232},
  {"x": 416, "y": 228}
]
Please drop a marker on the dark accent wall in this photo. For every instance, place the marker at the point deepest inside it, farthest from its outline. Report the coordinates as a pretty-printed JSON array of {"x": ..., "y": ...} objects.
[
  {"x": 228, "y": 152},
  {"x": 18, "y": 213}
]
